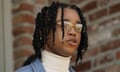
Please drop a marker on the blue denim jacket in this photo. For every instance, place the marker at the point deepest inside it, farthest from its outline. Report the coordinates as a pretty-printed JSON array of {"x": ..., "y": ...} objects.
[{"x": 35, "y": 66}]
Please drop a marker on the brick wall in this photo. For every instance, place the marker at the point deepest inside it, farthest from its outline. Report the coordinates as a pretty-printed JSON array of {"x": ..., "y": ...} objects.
[
  {"x": 23, "y": 28},
  {"x": 103, "y": 20}
]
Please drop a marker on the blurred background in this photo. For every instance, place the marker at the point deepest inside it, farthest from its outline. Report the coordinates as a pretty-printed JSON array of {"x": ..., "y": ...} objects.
[{"x": 17, "y": 20}]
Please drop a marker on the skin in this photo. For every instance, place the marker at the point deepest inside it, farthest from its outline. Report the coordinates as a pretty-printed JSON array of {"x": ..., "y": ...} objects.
[{"x": 64, "y": 48}]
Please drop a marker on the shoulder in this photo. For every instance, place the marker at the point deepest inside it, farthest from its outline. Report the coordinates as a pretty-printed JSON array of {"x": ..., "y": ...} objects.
[
  {"x": 27, "y": 68},
  {"x": 35, "y": 66}
]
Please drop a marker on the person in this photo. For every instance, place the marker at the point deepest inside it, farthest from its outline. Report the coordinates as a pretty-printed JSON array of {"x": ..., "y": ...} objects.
[{"x": 60, "y": 32}]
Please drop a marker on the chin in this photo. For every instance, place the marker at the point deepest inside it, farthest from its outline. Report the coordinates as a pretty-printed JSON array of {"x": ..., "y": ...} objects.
[
  {"x": 69, "y": 51},
  {"x": 72, "y": 51}
]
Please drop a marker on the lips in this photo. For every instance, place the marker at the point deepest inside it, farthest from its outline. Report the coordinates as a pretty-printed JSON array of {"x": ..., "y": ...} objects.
[{"x": 72, "y": 42}]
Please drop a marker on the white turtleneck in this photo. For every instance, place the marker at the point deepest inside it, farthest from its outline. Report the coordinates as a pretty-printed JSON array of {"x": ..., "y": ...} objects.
[{"x": 55, "y": 63}]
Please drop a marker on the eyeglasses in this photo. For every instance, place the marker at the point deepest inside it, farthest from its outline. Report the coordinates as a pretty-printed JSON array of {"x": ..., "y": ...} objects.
[{"x": 68, "y": 26}]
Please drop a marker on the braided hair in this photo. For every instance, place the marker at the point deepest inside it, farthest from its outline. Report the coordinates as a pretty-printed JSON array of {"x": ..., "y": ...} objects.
[{"x": 46, "y": 21}]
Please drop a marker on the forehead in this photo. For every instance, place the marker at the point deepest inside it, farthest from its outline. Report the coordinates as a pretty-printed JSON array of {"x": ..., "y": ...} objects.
[{"x": 70, "y": 14}]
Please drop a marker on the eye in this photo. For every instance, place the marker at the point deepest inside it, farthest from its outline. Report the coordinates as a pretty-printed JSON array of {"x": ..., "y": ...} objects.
[
  {"x": 79, "y": 27},
  {"x": 66, "y": 24}
]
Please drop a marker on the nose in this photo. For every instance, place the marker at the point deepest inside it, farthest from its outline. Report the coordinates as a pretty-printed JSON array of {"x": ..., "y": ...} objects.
[{"x": 72, "y": 32}]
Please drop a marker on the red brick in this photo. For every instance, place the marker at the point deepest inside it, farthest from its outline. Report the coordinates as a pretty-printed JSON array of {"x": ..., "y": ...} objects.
[
  {"x": 91, "y": 52},
  {"x": 40, "y": 1},
  {"x": 103, "y": 2},
  {"x": 90, "y": 6},
  {"x": 98, "y": 14},
  {"x": 115, "y": 8},
  {"x": 76, "y": 1},
  {"x": 21, "y": 30},
  {"x": 101, "y": 60},
  {"x": 22, "y": 53},
  {"x": 99, "y": 70},
  {"x": 22, "y": 41},
  {"x": 118, "y": 55},
  {"x": 116, "y": 32},
  {"x": 23, "y": 18},
  {"x": 113, "y": 68},
  {"x": 24, "y": 7},
  {"x": 111, "y": 45},
  {"x": 106, "y": 59},
  {"x": 50, "y": 1},
  {"x": 83, "y": 66}
]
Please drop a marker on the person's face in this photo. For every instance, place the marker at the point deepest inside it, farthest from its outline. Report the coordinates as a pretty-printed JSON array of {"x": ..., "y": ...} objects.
[{"x": 72, "y": 34}]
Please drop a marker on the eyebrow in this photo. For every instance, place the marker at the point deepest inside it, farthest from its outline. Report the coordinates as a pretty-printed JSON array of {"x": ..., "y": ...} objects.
[{"x": 79, "y": 22}]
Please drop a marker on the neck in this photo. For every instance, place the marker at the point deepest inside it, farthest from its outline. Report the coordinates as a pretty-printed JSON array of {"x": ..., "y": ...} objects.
[{"x": 55, "y": 63}]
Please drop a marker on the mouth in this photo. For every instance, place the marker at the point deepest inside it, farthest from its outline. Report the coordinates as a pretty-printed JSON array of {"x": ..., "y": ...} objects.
[{"x": 72, "y": 42}]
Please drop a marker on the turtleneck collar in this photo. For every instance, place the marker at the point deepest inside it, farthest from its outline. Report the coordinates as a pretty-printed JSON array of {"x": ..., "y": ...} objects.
[{"x": 55, "y": 63}]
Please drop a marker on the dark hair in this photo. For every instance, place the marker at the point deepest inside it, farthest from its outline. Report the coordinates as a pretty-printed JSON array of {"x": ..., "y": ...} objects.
[{"x": 46, "y": 21}]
